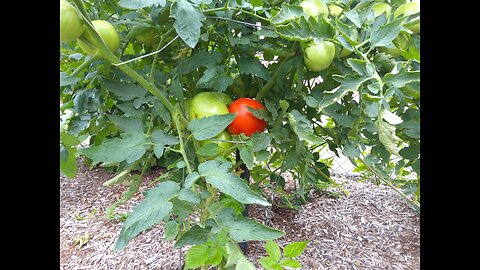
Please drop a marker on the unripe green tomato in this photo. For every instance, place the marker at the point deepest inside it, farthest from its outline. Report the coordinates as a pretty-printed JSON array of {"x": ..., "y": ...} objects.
[
  {"x": 400, "y": 45},
  {"x": 407, "y": 9},
  {"x": 314, "y": 8},
  {"x": 224, "y": 148},
  {"x": 319, "y": 56},
  {"x": 71, "y": 24},
  {"x": 341, "y": 52},
  {"x": 150, "y": 38},
  {"x": 206, "y": 104},
  {"x": 106, "y": 31},
  {"x": 380, "y": 8},
  {"x": 334, "y": 10}
]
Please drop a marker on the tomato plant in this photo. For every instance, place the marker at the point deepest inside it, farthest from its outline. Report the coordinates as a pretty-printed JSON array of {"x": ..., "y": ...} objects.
[
  {"x": 323, "y": 81},
  {"x": 71, "y": 24},
  {"x": 108, "y": 34},
  {"x": 245, "y": 121}
]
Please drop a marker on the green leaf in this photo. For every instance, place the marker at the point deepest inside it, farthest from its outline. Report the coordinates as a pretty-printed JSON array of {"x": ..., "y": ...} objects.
[
  {"x": 361, "y": 67},
  {"x": 130, "y": 110},
  {"x": 260, "y": 141},
  {"x": 208, "y": 127},
  {"x": 68, "y": 139},
  {"x": 400, "y": 79},
  {"x": 273, "y": 250},
  {"x": 136, "y": 4},
  {"x": 160, "y": 137},
  {"x": 306, "y": 30},
  {"x": 171, "y": 230},
  {"x": 176, "y": 88},
  {"x": 195, "y": 236},
  {"x": 66, "y": 79},
  {"x": 256, "y": 3},
  {"x": 411, "y": 152},
  {"x": 386, "y": 33},
  {"x": 216, "y": 78},
  {"x": 303, "y": 127},
  {"x": 246, "y": 154},
  {"x": 217, "y": 174},
  {"x": 188, "y": 21},
  {"x": 208, "y": 150},
  {"x": 68, "y": 165},
  {"x": 127, "y": 124},
  {"x": 150, "y": 211},
  {"x": 196, "y": 256},
  {"x": 411, "y": 128},
  {"x": 348, "y": 34},
  {"x": 244, "y": 229},
  {"x": 191, "y": 178},
  {"x": 294, "y": 249},
  {"x": 253, "y": 67},
  {"x": 215, "y": 255},
  {"x": 386, "y": 133},
  {"x": 236, "y": 257},
  {"x": 269, "y": 263},
  {"x": 130, "y": 147},
  {"x": 354, "y": 17},
  {"x": 124, "y": 91},
  {"x": 188, "y": 195},
  {"x": 292, "y": 263},
  {"x": 200, "y": 59},
  {"x": 286, "y": 14}
]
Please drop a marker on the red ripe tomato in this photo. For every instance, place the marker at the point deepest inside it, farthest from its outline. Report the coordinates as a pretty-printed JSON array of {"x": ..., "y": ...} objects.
[{"x": 245, "y": 121}]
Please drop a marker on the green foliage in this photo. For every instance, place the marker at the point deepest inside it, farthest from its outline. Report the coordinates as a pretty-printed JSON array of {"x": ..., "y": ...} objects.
[{"x": 135, "y": 115}]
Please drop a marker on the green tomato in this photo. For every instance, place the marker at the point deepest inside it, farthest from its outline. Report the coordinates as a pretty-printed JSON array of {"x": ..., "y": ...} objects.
[
  {"x": 334, "y": 10},
  {"x": 224, "y": 148},
  {"x": 71, "y": 24},
  {"x": 208, "y": 104},
  {"x": 400, "y": 44},
  {"x": 380, "y": 8},
  {"x": 407, "y": 9},
  {"x": 319, "y": 56},
  {"x": 107, "y": 32},
  {"x": 314, "y": 8},
  {"x": 150, "y": 37}
]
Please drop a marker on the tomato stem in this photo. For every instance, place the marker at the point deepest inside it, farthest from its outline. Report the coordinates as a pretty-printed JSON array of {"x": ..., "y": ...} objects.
[
  {"x": 84, "y": 65},
  {"x": 154, "y": 63}
]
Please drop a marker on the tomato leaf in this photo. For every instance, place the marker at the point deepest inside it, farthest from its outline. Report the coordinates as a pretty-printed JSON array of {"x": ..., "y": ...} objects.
[
  {"x": 286, "y": 14},
  {"x": 246, "y": 229},
  {"x": 171, "y": 230},
  {"x": 217, "y": 174},
  {"x": 150, "y": 211},
  {"x": 252, "y": 66},
  {"x": 200, "y": 59},
  {"x": 208, "y": 150},
  {"x": 215, "y": 77},
  {"x": 246, "y": 154},
  {"x": 386, "y": 132},
  {"x": 188, "y": 195},
  {"x": 302, "y": 127},
  {"x": 68, "y": 164},
  {"x": 124, "y": 91},
  {"x": 195, "y": 236},
  {"x": 191, "y": 178},
  {"x": 66, "y": 79},
  {"x": 130, "y": 147},
  {"x": 294, "y": 249},
  {"x": 306, "y": 30},
  {"x": 273, "y": 250},
  {"x": 127, "y": 124},
  {"x": 260, "y": 141},
  {"x": 188, "y": 21},
  {"x": 361, "y": 67},
  {"x": 136, "y": 4},
  {"x": 196, "y": 256},
  {"x": 208, "y": 127},
  {"x": 386, "y": 33}
]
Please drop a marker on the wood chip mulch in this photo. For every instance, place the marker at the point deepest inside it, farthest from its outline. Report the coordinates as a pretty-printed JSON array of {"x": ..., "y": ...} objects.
[{"x": 370, "y": 228}]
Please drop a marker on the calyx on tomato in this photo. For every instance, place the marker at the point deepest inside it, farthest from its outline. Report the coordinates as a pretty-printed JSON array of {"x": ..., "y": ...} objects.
[
  {"x": 106, "y": 31},
  {"x": 245, "y": 121},
  {"x": 71, "y": 24},
  {"x": 318, "y": 55},
  {"x": 408, "y": 9},
  {"x": 314, "y": 8}
]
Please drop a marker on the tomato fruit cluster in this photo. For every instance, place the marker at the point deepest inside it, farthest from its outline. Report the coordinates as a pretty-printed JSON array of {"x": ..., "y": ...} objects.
[{"x": 71, "y": 24}]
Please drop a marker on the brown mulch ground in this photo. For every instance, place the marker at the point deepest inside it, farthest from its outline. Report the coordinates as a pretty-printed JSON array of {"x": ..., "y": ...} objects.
[{"x": 371, "y": 228}]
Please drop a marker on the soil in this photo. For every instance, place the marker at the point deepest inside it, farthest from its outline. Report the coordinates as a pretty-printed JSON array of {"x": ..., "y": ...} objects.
[{"x": 371, "y": 227}]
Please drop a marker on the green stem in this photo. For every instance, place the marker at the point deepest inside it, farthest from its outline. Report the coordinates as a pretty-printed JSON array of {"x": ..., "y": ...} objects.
[
  {"x": 251, "y": 14},
  {"x": 176, "y": 117},
  {"x": 270, "y": 83},
  {"x": 154, "y": 63},
  {"x": 84, "y": 65}
]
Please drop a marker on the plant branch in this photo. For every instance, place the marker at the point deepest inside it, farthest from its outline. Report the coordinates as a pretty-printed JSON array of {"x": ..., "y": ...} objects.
[
  {"x": 154, "y": 63},
  {"x": 84, "y": 65}
]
